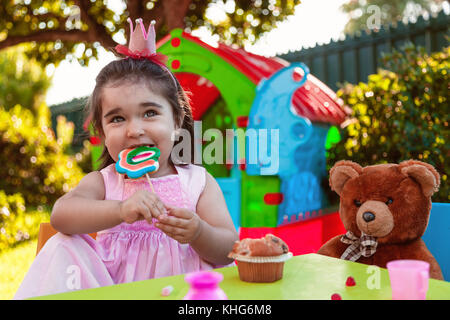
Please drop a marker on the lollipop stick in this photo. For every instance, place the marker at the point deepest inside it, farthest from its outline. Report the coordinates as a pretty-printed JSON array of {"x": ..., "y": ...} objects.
[{"x": 150, "y": 183}]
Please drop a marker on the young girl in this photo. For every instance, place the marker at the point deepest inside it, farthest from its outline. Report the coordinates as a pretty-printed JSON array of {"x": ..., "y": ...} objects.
[{"x": 183, "y": 227}]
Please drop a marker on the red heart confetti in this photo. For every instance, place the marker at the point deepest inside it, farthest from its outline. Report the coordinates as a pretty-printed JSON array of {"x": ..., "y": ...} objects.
[
  {"x": 336, "y": 297},
  {"x": 350, "y": 282}
]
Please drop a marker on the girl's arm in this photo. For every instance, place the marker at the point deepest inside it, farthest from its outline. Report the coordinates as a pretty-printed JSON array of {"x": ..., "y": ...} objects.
[
  {"x": 84, "y": 210},
  {"x": 217, "y": 234}
]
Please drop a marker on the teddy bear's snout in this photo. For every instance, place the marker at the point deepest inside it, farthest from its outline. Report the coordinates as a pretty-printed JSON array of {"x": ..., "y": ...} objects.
[{"x": 374, "y": 218}]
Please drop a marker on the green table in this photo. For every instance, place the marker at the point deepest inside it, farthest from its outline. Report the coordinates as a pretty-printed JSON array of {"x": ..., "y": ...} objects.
[{"x": 310, "y": 276}]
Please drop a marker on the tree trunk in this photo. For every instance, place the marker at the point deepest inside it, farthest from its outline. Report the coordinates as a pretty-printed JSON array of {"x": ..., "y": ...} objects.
[{"x": 174, "y": 12}]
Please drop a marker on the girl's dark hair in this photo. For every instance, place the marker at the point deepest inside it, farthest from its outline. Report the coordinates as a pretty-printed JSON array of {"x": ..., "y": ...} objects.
[{"x": 159, "y": 79}]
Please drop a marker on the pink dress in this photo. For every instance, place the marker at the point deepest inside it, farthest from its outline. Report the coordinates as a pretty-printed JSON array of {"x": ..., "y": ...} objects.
[{"x": 124, "y": 253}]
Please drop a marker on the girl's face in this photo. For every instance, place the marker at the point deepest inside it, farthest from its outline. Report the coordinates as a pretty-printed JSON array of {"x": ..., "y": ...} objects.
[{"x": 133, "y": 115}]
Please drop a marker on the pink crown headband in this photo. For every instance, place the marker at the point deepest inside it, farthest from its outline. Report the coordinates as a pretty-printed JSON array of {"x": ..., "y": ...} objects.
[{"x": 142, "y": 44}]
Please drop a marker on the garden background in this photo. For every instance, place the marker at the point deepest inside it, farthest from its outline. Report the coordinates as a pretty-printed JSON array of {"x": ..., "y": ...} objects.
[{"x": 391, "y": 70}]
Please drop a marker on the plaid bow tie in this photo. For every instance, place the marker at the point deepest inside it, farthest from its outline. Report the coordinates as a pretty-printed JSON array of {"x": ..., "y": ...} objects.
[{"x": 364, "y": 246}]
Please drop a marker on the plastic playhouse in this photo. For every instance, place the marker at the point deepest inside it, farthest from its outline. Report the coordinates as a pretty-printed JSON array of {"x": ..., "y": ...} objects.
[{"x": 263, "y": 93}]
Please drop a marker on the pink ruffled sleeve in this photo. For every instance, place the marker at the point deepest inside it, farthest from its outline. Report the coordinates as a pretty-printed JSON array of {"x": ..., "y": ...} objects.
[{"x": 113, "y": 183}]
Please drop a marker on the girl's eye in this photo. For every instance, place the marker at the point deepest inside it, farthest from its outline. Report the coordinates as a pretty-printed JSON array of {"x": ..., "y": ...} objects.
[
  {"x": 149, "y": 113},
  {"x": 389, "y": 201},
  {"x": 357, "y": 203},
  {"x": 116, "y": 119}
]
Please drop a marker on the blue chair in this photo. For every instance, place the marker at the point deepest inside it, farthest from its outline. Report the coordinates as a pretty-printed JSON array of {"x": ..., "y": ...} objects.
[{"x": 437, "y": 236}]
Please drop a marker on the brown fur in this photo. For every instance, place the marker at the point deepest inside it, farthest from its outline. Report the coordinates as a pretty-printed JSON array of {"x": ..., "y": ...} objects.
[{"x": 399, "y": 225}]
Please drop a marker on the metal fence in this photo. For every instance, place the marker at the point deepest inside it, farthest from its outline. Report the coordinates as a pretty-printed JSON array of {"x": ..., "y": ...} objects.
[
  {"x": 73, "y": 111},
  {"x": 354, "y": 58}
]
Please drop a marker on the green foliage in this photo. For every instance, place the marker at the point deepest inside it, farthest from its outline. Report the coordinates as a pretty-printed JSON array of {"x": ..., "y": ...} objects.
[
  {"x": 34, "y": 161},
  {"x": 22, "y": 81},
  {"x": 400, "y": 114},
  {"x": 48, "y": 19},
  {"x": 17, "y": 224},
  {"x": 244, "y": 22},
  {"x": 37, "y": 168},
  {"x": 37, "y": 171}
]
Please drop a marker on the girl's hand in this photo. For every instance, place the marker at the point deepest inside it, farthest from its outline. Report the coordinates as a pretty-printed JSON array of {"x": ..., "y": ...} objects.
[
  {"x": 141, "y": 205},
  {"x": 180, "y": 224}
]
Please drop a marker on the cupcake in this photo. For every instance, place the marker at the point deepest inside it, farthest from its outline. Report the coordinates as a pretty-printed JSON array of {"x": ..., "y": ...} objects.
[{"x": 260, "y": 260}]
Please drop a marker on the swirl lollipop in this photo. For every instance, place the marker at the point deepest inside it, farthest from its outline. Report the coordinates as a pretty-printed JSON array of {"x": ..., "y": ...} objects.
[{"x": 136, "y": 162}]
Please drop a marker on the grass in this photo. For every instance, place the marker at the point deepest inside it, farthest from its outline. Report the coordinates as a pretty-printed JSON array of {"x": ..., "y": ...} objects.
[{"x": 14, "y": 264}]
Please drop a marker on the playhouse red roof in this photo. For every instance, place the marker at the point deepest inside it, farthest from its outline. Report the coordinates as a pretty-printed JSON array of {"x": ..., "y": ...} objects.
[{"x": 314, "y": 100}]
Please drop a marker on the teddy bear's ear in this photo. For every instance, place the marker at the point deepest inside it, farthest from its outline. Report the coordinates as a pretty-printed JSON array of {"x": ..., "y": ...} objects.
[
  {"x": 341, "y": 172},
  {"x": 423, "y": 173}
]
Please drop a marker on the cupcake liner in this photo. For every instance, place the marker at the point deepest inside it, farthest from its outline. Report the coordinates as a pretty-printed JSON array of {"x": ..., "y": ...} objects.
[
  {"x": 260, "y": 272},
  {"x": 261, "y": 269}
]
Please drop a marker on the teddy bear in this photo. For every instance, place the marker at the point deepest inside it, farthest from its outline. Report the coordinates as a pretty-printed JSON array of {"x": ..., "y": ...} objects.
[{"x": 385, "y": 210}]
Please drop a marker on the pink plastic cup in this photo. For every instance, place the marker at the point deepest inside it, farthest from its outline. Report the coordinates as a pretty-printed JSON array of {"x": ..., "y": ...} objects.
[{"x": 409, "y": 279}]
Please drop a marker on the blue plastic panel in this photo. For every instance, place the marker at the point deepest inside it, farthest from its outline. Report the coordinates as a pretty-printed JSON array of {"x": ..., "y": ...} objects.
[
  {"x": 437, "y": 236},
  {"x": 299, "y": 145},
  {"x": 301, "y": 193},
  {"x": 278, "y": 130},
  {"x": 231, "y": 189}
]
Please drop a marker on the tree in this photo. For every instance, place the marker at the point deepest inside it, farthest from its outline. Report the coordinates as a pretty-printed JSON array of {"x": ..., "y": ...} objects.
[
  {"x": 22, "y": 81},
  {"x": 372, "y": 14},
  {"x": 56, "y": 28}
]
